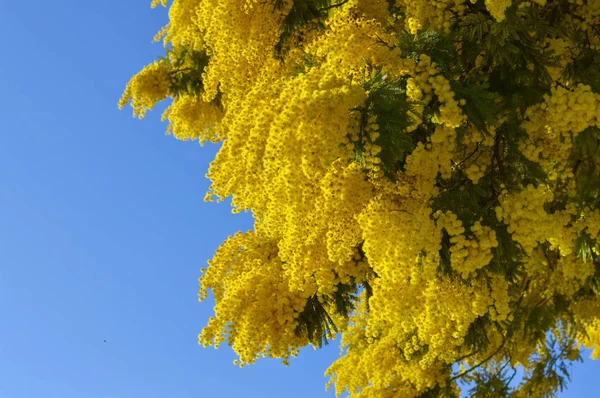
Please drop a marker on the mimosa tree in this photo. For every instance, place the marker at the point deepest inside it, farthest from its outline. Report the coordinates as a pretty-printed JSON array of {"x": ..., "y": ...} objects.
[{"x": 424, "y": 177}]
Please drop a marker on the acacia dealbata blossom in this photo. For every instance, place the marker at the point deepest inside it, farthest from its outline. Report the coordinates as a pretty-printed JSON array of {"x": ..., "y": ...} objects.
[{"x": 424, "y": 178}]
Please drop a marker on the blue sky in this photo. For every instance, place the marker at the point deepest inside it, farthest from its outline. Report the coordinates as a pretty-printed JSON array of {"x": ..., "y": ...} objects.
[{"x": 103, "y": 228}]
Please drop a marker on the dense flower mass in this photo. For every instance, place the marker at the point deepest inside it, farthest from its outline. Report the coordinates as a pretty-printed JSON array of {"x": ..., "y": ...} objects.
[{"x": 424, "y": 178}]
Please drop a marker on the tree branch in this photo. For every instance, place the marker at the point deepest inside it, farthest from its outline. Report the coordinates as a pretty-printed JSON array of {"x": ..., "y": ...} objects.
[
  {"x": 341, "y": 3},
  {"x": 468, "y": 157},
  {"x": 480, "y": 363}
]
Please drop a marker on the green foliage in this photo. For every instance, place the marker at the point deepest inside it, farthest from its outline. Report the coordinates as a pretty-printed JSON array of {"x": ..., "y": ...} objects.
[
  {"x": 586, "y": 170},
  {"x": 551, "y": 371},
  {"x": 585, "y": 68},
  {"x": 584, "y": 245},
  {"x": 492, "y": 384},
  {"x": 304, "y": 66},
  {"x": 438, "y": 391},
  {"x": 316, "y": 323},
  {"x": 440, "y": 47},
  {"x": 387, "y": 101},
  {"x": 303, "y": 12},
  {"x": 185, "y": 70},
  {"x": 482, "y": 105},
  {"x": 477, "y": 339}
]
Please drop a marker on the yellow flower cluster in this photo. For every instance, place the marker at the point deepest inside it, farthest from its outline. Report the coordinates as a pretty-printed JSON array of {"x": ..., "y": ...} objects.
[
  {"x": 192, "y": 118},
  {"x": 437, "y": 13},
  {"x": 156, "y": 3},
  {"x": 501, "y": 297},
  {"x": 450, "y": 113},
  {"x": 144, "y": 90},
  {"x": 415, "y": 94},
  {"x": 409, "y": 347},
  {"x": 255, "y": 309},
  {"x": 468, "y": 254},
  {"x": 591, "y": 338},
  {"x": 428, "y": 80},
  {"x": 375, "y": 10},
  {"x": 347, "y": 185},
  {"x": 571, "y": 110},
  {"x": 570, "y": 274},
  {"x": 548, "y": 239},
  {"x": 586, "y": 14},
  {"x": 427, "y": 160},
  {"x": 292, "y": 176},
  {"x": 564, "y": 49},
  {"x": 498, "y": 8},
  {"x": 478, "y": 151},
  {"x": 351, "y": 32},
  {"x": 240, "y": 37},
  {"x": 591, "y": 223},
  {"x": 419, "y": 90},
  {"x": 182, "y": 29},
  {"x": 530, "y": 224},
  {"x": 553, "y": 125}
]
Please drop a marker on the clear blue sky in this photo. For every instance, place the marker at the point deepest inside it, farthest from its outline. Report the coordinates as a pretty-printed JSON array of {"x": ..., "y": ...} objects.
[{"x": 103, "y": 228}]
